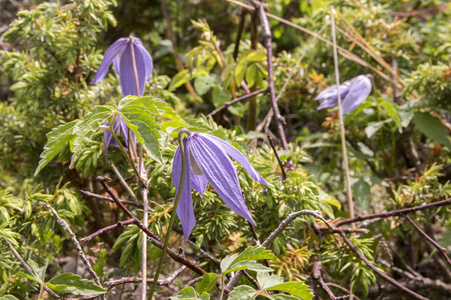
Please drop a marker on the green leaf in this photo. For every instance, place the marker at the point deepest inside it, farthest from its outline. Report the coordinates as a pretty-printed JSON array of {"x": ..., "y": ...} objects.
[
  {"x": 242, "y": 292},
  {"x": 240, "y": 71},
  {"x": 251, "y": 75},
  {"x": 57, "y": 139},
  {"x": 284, "y": 297},
  {"x": 298, "y": 289},
  {"x": 220, "y": 96},
  {"x": 8, "y": 297},
  {"x": 30, "y": 276},
  {"x": 203, "y": 83},
  {"x": 87, "y": 128},
  {"x": 392, "y": 110},
  {"x": 227, "y": 261},
  {"x": 255, "y": 253},
  {"x": 207, "y": 283},
  {"x": 256, "y": 56},
  {"x": 362, "y": 191},
  {"x": 187, "y": 293},
  {"x": 74, "y": 284},
  {"x": 431, "y": 127},
  {"x": 266, "y": 280},
  {"x": 38, "y": 271},
  {"x": 179, "y": 79},
  {"x": 374, "y": 127}
]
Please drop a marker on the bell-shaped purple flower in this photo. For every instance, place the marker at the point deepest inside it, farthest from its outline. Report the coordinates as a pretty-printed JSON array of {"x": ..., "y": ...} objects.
[
  {"x": 353, "y": 92},
  {"x": 121, "y": 54},
  {"x": 207, "y": 160}
]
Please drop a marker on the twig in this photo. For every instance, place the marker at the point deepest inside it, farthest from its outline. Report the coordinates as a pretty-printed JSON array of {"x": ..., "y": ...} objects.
[
  {"x": 342, "y": 126},
  {"x": 271, "y": 142},
  {"x": 378, "y": 271},
  {"x": 144, "y": 194},
  {"x": 123, "y": 182},
  {"x": 272, "y": 94},
  {"x": 242, "y": 98},
  {"x": 393, "y": 213},
  {"x": 89, "y": 194},
  {"x": 239, "y": 33},
  {"x": 72, "y": 236},
  {"x": 316, "y": 278},
  {"x": 106, "y": 229},
  {"x": 440, "y": 249},
  {"x": 26, "y": 266}
]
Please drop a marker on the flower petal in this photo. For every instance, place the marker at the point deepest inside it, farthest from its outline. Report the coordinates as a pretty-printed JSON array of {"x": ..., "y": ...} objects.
[
  {"x": 127, "y": 75},
  {"x": 108, "y": 139},
  {"x": 236, "y": 155},
  {"x": 147, "y": 58},
  {"x": 358, "y": 92},
  {"x": 220, "y": 173},
  {"x": 331, "y": 92},
  {"x": 185, "y": 209},
  {"x": 109, "y": 56},
  {"x": 124, "y": 130}
]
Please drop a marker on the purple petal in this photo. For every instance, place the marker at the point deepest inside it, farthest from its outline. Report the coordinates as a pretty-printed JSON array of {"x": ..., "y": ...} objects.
[
  {"x": 109, "y": 56},
  {"x": 220, "y": 173},
  {"x": 331, "y": 92},
  {"x": 358, "y": 92},
  {"x": 328, "y": 103},
  {"x": 127, "y": 75},
  {"x": 124, "y": 130},
  {"x": 236, "y": 155},
  {"x": 108, "y": 139},
  {"x": 185, "y": 209},
  {"x": 147, "y": 58},
  {"x": 116, "y": 65}
]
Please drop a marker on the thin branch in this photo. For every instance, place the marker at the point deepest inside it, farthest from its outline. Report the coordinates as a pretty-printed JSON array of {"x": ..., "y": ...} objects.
[
  {"x": 271, "y": 142},
  {"x": 440, "y": 249},
  {"x": 123, "y": 182},
  {"x": 378, "y": 271},
  {"x": 106, "y": 229},
  {"x": 26, "y": 266},
  {"x": 89, "y": 194},
  {"x": 342, "y": 126},
  {"x": 393, "y": 213},
  {"x": 272, "y": 94},
  {"x": 242, "y": 98},
  {"x": 239, "y": 33},
  {"x": 72, "y": 236}
]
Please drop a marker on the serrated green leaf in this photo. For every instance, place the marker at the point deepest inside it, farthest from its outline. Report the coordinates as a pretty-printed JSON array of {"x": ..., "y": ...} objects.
[
  {"x": 227, "y": 261},
  {"x": 30, "y": 276},
  {"x": 57, "y": 139},
  {"x": 374, "y": 127},
  {"x": 240, "y": 71},
  {"x": 220, "y": 96},
  {"x": 242, "y": 292},
  {"x": 298, "y": 289},
  {"x": 393, "y": 111},
  {"x": 251, "y": 75},
  {"x": 284, "y": 297},
  {"x": 87, "y": 128},
  {"x": 38, "y": 271},
  {"x": 255, "y": 253},
  {"x": 267, "y": 280},
  {"x": 179, "y": 79},
  {"x": 207, "y": 283},
  {"x": 74, "y": 284},
  {"x": 431, "y": 127},
  {"x": 140, "y": 124}
]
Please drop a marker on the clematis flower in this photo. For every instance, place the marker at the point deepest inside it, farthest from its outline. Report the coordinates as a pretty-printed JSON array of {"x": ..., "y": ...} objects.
[
  {"x": 120, "y": 54},
  {"x": 353, "y": 92},
  {"x": 207, "y": 160}
]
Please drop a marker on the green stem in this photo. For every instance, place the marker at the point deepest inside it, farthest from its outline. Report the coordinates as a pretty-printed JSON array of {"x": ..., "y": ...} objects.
[
  {"x": 223, "y": 286},
  {"x": 174, "y": 212},
  {"x": 41, "y": 289}
]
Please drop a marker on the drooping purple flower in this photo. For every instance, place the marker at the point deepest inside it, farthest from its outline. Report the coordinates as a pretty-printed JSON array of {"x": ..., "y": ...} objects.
[
  {"x": 120, "y": 54},
  {"x": 353, "y": 92},
  {"x": 207, "y": 160}
]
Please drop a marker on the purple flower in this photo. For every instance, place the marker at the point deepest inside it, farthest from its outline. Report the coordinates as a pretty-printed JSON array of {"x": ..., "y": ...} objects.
[
  {"x": 120, "y": 54},
  {"x": 353, "y": 92},
  {"x": 207, "y": 161}
]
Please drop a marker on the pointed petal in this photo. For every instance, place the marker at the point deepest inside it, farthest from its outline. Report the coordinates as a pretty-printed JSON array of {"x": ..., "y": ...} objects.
[
  {"x": 236, "y": 155},
  {"x": 220, "y": 173},
  {"x": 358, "y": 92},
  {"x": 124, "y": 130},
  {"x": 185, "y": 209},
  {"x": 148, "y": 64},
  {"x": 116, "y": 65},
  {"x": 127, "y": 75},
  {"x": 328, "y": 103},
  {"x": 108, "y": 139},
  {"x": 109, "y": 56}
]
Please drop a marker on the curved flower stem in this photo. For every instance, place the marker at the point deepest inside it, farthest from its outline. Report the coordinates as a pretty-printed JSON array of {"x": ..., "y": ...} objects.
[{"x": 174, "y": 212}]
